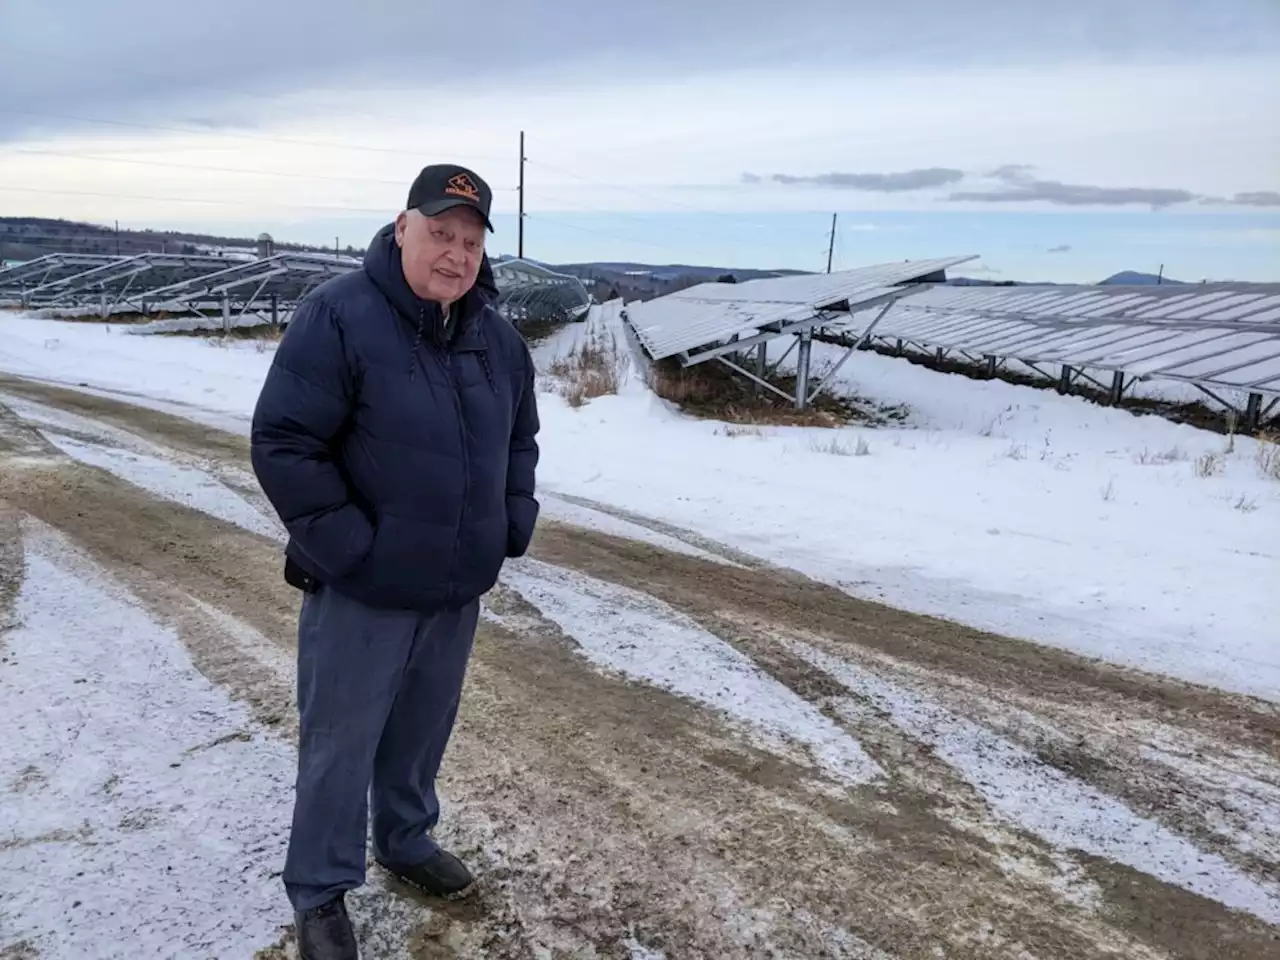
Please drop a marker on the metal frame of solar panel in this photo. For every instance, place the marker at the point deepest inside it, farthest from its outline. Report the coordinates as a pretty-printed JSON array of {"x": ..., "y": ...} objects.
[
  {"x": 1216, "y": 337},
  {"x": 529, "y": 292},
  {"x": 119, "y": 285},
  {"x": 16, "y": 282},
  {"x": 713, "y": 321},
  {"x": 251, "y": 293}
]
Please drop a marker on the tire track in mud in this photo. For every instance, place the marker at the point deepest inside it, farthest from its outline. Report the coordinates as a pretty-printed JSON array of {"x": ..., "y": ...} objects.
[
  {"x": 594, "y": 804},
  {"x": 12, "y": 567}
]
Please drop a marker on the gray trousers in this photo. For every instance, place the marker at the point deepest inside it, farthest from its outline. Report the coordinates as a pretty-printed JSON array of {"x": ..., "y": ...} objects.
[{"x": 378, "y": 692}]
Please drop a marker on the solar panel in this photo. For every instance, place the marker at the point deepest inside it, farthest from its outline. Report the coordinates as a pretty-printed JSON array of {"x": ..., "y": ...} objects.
[
  {"x": 16, "y": 280},
  {"x": 114, "y": 280},
  {"x": 719, "y": 313},
  {"x": 1221, "y": 335}
]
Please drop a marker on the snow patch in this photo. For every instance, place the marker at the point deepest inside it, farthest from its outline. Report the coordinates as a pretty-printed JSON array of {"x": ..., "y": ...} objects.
[
  {"x": 1015, "y": 784},
  {"x": 152, "y": 810},
  {"x": 565, "y": 511},
  {"x": 179, "y": 484},
  {"x": 645, "y": 639}
]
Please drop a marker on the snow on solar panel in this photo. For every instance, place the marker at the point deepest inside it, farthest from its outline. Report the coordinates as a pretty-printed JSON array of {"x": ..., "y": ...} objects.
[{"x": 716, "y": 313}]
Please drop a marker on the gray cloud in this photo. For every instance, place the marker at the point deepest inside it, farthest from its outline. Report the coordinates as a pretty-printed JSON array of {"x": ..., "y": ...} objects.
[
  {"x": 876, "y": 182},
  {"x": 1061, "y": 248},
  {"x": 1257, "y": 198},
  {"x": 1018, "y": 185},
  {"x": 166, "y": 61}
]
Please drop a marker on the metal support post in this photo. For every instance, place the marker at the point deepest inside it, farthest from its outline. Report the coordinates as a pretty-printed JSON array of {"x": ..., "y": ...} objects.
[
  {"x": 1064, "y": 381},
  {"x": 991, "y": 367},
  {"x": 1117, "y": 387},
  {"x": 226, "y": 313},
  {"x": 899, "y": 349},
  {"x": 802, "y": 370},
  {"x": 275, "y": 310},
  {"x": 1253, "y": 413},
  {"x": 762, "y": 364},
  {"x": 102, "y": 306}
]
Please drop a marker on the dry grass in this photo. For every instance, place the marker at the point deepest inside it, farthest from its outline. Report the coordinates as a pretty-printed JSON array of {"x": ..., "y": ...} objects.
[
  {"x": 714, "y": 392},
  {"x": 738, "y": 430},
  {"x": 594, "y": 368},
  {"x": 262, "y": 337},
  {"x": 838, "y": 448},
  {"x": 1208, "y": 464},
  {"x": 1172, "y": 455},
  {"x": 1269, "y": 456}
]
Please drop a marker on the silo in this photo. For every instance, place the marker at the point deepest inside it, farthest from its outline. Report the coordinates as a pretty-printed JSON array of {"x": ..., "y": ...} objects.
[{"x": 266, "y": 246}]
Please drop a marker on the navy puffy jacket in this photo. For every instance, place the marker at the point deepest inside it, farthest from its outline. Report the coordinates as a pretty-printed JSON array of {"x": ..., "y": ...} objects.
[{"x": 401, "y": 463}]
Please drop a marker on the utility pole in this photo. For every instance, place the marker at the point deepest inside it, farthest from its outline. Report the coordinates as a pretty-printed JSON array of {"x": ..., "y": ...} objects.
[
  {"x": 117, "y": 238},
  {"x": 520, "y": 228},
  {"x": 832, "y": 248},
  {"x": 1160, "y": 276},
  {"x": 336, "y": 254}
]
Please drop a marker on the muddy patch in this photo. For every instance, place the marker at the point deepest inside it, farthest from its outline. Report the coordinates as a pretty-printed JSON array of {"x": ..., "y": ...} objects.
[{"x": 607, "y": 816}]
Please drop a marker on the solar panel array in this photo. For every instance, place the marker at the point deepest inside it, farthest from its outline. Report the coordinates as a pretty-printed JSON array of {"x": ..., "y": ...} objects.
[
  {"x": 52, "y": 266},
  {"x": 117, "y": 278},
  {"x": 1223, "y": 335},
  {"x": 529, "y": 292},
  {"x": 719, "y": 313},
  {"x": 242, "y": 289}
]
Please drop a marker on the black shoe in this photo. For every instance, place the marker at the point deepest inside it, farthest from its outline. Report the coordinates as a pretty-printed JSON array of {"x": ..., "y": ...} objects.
[
  {"x": 441, "y": 875},
  {"x": 324, "y": 932}
]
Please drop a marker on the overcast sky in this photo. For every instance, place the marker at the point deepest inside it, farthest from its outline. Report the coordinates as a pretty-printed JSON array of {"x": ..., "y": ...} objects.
[{"x": 246, "y": 112}]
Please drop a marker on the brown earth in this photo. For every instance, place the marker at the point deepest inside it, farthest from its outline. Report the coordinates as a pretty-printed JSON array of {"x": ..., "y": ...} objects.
[{"x": 598, "y": 809}]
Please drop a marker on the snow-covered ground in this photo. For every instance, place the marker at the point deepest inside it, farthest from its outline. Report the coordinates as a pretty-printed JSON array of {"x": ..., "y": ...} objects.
[
  {"x": 1012, "y": 509},
  {"x": 122, "y": 756},
  {"x": 119, "y": 756}
]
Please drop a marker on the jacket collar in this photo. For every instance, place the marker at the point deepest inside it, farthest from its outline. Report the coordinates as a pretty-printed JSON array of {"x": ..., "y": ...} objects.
[{"x": 383, "y": 266}]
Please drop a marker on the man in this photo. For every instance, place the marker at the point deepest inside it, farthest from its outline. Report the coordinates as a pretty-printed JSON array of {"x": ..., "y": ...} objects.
[{"x": 395, "y": 436}]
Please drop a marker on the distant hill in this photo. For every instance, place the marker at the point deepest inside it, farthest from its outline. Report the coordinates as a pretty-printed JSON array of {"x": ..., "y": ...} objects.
[
  {"x": 673, "y": 271},
  {"x": 607, "y": 279},
  {"x": 1133, "y": 277},
  {"x": 25, "y": 238}
]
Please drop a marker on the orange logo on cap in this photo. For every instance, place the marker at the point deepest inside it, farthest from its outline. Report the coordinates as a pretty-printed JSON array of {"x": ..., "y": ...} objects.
[{"x": 461, "y": 185}]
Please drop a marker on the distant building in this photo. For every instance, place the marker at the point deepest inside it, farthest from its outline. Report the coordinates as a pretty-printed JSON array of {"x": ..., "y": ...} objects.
[{"x": 266, "y": 246}]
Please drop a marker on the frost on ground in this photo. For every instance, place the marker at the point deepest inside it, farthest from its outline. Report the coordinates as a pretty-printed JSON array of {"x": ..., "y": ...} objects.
[
  {"x": 1003, "y": 507},
  {"x": 563, "y": 824},
  {"x": 1244, "y": 786},
  {"x": 1064, "y": 810},
  {"x": 566, "y": 511},
  {"x": 150, "y": 808},
  {"x": 643, "y": 638},
  {"x": 181, "y": 484}
]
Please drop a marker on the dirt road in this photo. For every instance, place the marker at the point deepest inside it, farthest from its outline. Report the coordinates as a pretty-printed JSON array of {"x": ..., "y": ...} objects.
[{"x": 873, "y": 784}]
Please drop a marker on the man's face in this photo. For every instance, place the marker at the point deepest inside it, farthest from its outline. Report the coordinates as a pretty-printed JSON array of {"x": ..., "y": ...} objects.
[{"x": 441, "y": 254}]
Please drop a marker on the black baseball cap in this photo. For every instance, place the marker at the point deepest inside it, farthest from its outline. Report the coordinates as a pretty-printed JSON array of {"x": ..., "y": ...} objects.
[{"x": 442, "y": 186}]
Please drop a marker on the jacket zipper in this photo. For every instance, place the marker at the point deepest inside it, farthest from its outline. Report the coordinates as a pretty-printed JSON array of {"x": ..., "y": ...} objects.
[{"x": 466, "y": 476}]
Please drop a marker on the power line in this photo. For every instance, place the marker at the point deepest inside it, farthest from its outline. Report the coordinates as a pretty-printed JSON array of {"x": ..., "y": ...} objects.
[
  {"x": 601, "y": 233},
  {"x": 383, "y": 211},
  {"x": 204, "y": 168},
  {"x": 648, "y": 222},
  {"x": 745, "y": 218},
  {"x": 254, "y": 137},
  {"x": 193, "y": 166}
]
